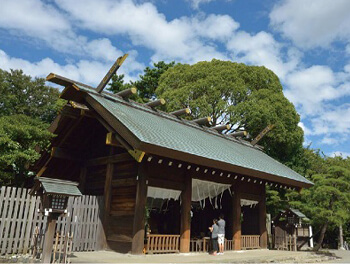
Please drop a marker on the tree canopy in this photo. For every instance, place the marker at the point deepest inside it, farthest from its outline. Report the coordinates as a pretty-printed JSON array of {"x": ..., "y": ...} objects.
[
  {"x": 19, "y": 136},
  {"x": 20, "y": 94},
  {"x": 249, "y": 97},
  {"x": 147, "y": 84},
  {"x": 327, "y": 203},
  {"x": 27, "y": 106}
]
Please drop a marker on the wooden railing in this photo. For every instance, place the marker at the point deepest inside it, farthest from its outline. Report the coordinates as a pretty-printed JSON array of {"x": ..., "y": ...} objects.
[
  {"x": 162, "y": 244},
  {"x": 228, "y": 245},
  {"x": 250, "y": 242},
  {"x": 203, "y": 245},
  {"x": 200, "y": 245}
]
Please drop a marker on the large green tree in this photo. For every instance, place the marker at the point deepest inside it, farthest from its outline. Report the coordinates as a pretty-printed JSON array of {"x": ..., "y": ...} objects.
[
  {"x": 20, "y": 94},
  {"x": 327, "y": 203},
  {"x": 27, "y": 106},
  {"x": 19, "y": 136},
  {"x": 249, "y": 97}
]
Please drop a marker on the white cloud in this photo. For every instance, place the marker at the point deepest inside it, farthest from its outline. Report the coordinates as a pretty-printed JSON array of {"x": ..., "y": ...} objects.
[
  {"x": 185, "y": 39},
  {"x": 311, "y": 88},
  {"x": 33, "y": 17},
  {"x": 331, "y": 122},
  {"x": 312, "y": 23},
  {"x": 195, "y": 3},
  {"x": 89, "y": 72},
  {"x": 340, "y": 153},
  {"x": 262, "y": 49},
  {"x": 43, "y": 21},
  {"x": 181, "y": 39},
  {"x": 306, "y": 130},
  {"x": 330, "y": 141}
]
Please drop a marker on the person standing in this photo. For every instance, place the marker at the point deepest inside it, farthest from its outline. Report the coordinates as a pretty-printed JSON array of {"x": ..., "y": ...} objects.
[
  {"x": 214, "y": 236},
  {"x": 221, "y": 234}
]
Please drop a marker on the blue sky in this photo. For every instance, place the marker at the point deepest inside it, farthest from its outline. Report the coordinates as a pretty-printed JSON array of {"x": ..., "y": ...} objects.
[{"x": 306, "y": 43}]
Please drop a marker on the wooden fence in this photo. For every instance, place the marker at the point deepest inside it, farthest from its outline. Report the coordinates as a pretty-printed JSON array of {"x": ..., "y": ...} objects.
[
  {"x": 286, "y": 242},
  {"x": 162, "y": 244},
  {"x": 19, "y": 217},
  {"x": 250, "y": 242}
]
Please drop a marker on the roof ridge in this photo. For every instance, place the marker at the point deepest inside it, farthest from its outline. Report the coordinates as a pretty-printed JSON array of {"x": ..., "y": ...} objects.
[{"x": 115, "y": 98}]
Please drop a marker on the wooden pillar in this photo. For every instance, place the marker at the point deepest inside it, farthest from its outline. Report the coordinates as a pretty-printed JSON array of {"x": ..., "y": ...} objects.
[
  {"x": 49, "y": 237},
  {"x": 108, "y": 188},
  {"x": 108, "y": 184},
  {"x": 262, "y": 220},
  {"x": 82, "y": 178},
  {"x": 105, "y": 206},
  {"x": 185, "y": 231},
  {"x": 139, "y": 215},
  {"x": 236, "y": 208}
]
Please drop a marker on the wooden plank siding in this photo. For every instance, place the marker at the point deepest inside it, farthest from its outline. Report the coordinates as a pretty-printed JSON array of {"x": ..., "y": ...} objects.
[
  {"x": 19, "y": 217},
  {"x": 122, "y": 205}
]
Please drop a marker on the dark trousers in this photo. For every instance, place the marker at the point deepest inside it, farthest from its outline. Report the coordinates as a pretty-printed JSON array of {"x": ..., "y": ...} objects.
[{"x": 214, "y": 242}]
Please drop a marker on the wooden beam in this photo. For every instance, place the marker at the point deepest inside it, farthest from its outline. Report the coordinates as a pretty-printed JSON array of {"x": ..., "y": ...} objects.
[
  {"x": 112, "y": 141},
  {"x": 61, "y": 153},
  {"x": 87, "y": 113},
  {"x": 202, "y": 121},
  {"x": 124, "y": 182},
  {"x": 250, "y": 196},
  {"x": 185, "y": 111},
  {"x": 139, "y": 215},
  {"x": 156, "y": 103},
  {"x": 117, "y": 158},
  {"x": 70, "y": 112},
  {"x": 221, "y": 128},
  {"x": 236, "y": 207},
  {"x": 137, "y": 154},
  {"x": 111, "y": 72},
  {"x": 185, "y": 230},
  {"x": 165, "y": 184},
  {"x": 54, "y": 125},
  {"x": 238, "y": 134},
  {"x": 126, "y": 93},
  {"x": 55, "y": 78},
  {"x": 42, "y": 170},
  {"x": 262, "y": 134},
  {"x": 262, "y": 220},
  {"x": 79, "y": 106},
  {"x": 82, "y": 179},
  {"x": 108, "y": 188}
]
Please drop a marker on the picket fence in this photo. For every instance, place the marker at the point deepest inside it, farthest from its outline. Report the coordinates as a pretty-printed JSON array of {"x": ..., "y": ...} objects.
[{"x": 19, "y": 218}]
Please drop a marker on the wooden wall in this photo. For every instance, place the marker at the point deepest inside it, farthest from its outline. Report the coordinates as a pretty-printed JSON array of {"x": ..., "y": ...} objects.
[{"x": 122, "y": 206}]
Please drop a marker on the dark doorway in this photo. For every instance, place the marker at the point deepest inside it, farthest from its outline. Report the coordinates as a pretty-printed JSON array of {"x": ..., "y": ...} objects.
[
  {"x": 250, "y": 217},
  {"x": 163, "y": 216}
]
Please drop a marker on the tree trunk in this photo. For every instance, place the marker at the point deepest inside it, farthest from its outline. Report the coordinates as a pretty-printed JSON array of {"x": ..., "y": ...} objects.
[
  {"x": 341, "y": 240},
  {"x": 320, "y": 239}
]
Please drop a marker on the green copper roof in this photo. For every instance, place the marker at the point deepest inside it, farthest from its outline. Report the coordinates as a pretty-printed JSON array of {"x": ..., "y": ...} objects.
[
  {"x": 297, "y": 213},
  {"x": 56, "y": 186},
  {"x": 171, "y": 133}
]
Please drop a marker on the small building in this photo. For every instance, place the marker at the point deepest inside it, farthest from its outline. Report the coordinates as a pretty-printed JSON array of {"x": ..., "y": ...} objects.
[
  {"x": 292, "y": 223},
  {"x": 133, "y": 155}
]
